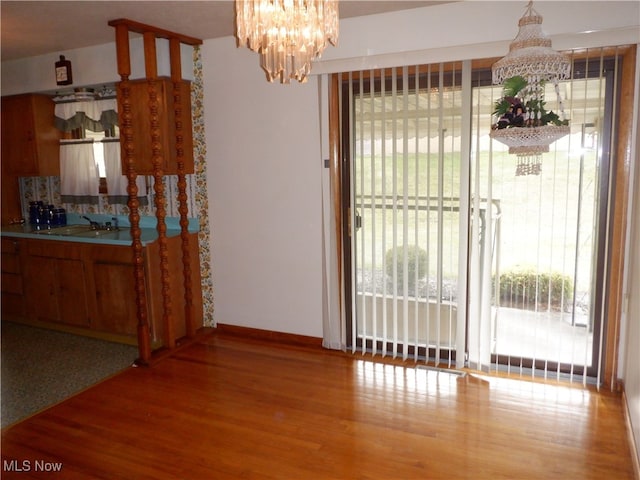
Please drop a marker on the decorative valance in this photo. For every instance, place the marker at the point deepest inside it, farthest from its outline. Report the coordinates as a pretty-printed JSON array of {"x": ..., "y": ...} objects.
[{"x": 93, "y": 115}]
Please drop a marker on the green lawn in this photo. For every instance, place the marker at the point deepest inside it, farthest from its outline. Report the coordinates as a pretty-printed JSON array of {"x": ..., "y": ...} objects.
[{"x": 538, "y": 222}]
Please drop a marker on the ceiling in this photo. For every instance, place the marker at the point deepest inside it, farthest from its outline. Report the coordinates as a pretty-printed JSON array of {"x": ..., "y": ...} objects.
[{"x": 30, "y": 28}]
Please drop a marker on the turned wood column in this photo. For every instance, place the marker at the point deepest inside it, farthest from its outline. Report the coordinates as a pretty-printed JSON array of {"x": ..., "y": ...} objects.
[
  {"x": 176, "y": 78},
  {"x": 126, "y": 139},
  {"x": 157, "y": 159}
]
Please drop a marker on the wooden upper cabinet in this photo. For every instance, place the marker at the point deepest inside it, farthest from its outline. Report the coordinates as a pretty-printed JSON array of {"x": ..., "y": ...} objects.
[
  {"x": 30, "y": 141},
  {"x": 142, "y": 129}
]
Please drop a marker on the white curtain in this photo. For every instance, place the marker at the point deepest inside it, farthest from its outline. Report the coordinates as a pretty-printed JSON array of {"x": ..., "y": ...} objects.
[
  {"x": 117, "y": 182},
  {"x": 79, "y": 176},
  {"x": 79, "y": 173}
]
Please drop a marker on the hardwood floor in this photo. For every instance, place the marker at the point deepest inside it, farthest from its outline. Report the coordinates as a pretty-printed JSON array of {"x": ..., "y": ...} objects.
[{"x": 228, "y": 407}]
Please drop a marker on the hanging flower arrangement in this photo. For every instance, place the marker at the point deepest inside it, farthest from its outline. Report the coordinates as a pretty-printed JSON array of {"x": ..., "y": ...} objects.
[
  {"x": 522, "y": 121},
  {"x": 513, "y": 110}
]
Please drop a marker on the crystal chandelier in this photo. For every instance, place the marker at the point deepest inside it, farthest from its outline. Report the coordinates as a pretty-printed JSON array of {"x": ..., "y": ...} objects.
[
  {"x": 288, "y": 34},
  {"x": 523, "y": 123}
]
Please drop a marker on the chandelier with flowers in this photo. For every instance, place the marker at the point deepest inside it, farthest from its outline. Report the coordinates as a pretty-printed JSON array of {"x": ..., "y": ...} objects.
[
  {"x": 523, "y": 122},
  {"x": 288, "y": 34}
]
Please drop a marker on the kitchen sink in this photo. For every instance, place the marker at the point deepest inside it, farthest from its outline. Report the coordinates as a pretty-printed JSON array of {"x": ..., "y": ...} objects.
[
  {"x": 64, "y": 231},
  {"x": 85, "y": 231}
]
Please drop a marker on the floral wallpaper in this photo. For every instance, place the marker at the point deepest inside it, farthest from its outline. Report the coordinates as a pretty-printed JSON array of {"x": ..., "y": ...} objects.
[
  {"x": 198, "y": 187},
  {"x": 47, "y": 189}
]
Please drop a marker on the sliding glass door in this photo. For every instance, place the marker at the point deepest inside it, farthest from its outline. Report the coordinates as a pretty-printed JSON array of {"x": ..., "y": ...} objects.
[
  {"x": 450, "y": 257},
  {"x": 405, "y": 172},
  {"x": 550, "y": 230}
]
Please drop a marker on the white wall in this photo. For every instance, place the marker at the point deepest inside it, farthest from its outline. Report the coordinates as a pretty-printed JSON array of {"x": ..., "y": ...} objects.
[
  {"x": 631, "y": 357},
  {"x": 90, "y": 66},
  {"x": 474, "y": 29},
  {"x": 263, "y": 178}
]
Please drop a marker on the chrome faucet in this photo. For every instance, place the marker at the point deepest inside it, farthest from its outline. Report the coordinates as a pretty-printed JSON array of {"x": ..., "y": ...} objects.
[
  {"x": 94, "y": 225},
  {"x": 112, "y": 226}
]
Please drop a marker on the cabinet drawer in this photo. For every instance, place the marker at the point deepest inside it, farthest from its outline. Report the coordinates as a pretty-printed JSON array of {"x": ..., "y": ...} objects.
[{"x": 55, "y": 249}]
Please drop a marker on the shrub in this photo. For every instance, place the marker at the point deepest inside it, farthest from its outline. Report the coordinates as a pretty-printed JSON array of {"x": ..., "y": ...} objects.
[
  {"x": 518, "y": 288},
  {"x": 416, "y": 259}
]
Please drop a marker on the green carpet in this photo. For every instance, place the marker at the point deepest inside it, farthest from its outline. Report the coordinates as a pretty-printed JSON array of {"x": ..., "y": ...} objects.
[{"x": 43, "y": 367}]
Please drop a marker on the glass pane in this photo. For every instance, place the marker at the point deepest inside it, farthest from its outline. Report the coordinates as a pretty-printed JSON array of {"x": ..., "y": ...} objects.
[
  {"x": 544, "y": 237},
  {"x": 406, "y": 183}
]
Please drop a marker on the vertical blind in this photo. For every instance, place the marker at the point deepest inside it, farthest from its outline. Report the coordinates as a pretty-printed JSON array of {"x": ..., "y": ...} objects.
[
  {"x": 405, "y": 153},
  {"x": 542, "y": 307},
  {"x": 453, "y": 256}
]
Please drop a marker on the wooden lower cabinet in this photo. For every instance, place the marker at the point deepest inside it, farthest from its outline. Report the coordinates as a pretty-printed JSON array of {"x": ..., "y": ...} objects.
[
  {"x": 73, "y": 292},
  {"x": 114, "y": 281},
  {"x": 56, "y": 283},
  {"x": 41, "y": 296},
  {"x": 111, "y": 277},
  {"x": 88, "y": 288}
]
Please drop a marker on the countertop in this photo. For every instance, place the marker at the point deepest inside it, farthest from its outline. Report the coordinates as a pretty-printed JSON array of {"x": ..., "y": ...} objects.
[{"x": 73, "y": 231}]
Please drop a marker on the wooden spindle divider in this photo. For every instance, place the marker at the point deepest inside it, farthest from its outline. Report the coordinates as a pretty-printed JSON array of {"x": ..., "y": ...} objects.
[
  {"x": 150, "y": 34},
  {"x": 176, "y": 76}
]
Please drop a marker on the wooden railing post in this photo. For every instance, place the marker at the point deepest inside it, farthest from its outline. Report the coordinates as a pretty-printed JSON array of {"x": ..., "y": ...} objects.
[
  {"x": 176, "y": 77},
  {"x": 126, "y": 139},
  {"x": 157, "y": 159}
]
